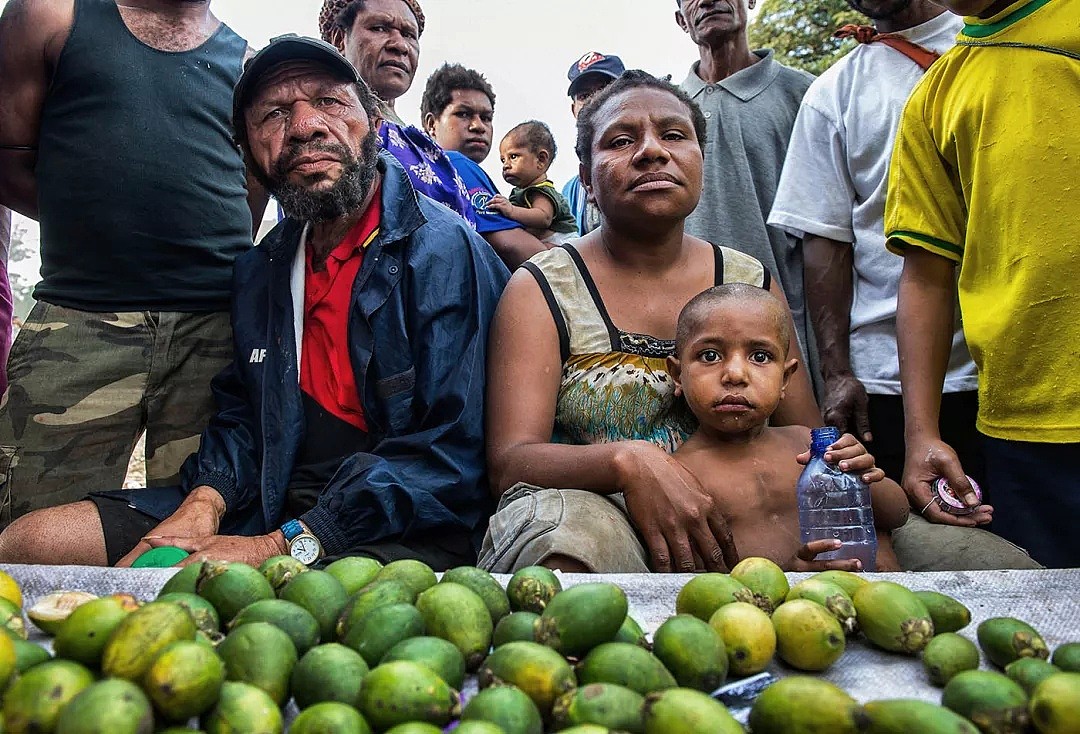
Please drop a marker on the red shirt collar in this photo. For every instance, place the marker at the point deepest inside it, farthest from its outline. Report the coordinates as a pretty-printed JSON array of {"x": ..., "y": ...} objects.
[{"x": 361, "y": 234}]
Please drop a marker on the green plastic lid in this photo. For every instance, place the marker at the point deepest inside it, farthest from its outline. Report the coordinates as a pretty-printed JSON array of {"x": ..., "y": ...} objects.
[{"x": 163, "y": 557}]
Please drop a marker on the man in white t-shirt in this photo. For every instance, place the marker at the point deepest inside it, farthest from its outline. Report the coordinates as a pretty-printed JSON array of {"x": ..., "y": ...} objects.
[{"x": 832, "y": 196}]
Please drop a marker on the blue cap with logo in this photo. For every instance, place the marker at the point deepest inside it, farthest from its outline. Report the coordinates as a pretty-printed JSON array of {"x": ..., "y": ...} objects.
[{"x": 593, "y": 63}]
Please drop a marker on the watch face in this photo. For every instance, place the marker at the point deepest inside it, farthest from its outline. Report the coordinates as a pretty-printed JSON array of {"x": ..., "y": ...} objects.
[{"x": 305, "y": 549}]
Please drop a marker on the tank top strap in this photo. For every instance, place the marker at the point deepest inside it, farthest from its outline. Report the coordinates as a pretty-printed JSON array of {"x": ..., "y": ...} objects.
[
  {"x": 574, "y": 302},
  {"x": 733, "y": 266}
]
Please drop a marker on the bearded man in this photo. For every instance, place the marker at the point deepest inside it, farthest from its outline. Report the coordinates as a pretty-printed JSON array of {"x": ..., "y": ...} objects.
[{"x": 350, "y": 421}]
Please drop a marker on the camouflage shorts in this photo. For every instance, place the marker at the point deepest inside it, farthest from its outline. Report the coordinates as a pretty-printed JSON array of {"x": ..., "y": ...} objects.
[{"x": 84, "y": 386}]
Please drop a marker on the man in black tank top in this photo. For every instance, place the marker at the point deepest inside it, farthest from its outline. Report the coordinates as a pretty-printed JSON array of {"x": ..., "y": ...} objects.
[{"x": 115, "y": 134}]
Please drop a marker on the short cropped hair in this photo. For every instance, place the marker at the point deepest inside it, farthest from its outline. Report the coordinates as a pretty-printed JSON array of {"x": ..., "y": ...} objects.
[
  {"x": 694, "y": 312},
  {"x": 631, "y": 79},
  {"x": 439, "y": 90},
  {"x": 535, "y": 135}
]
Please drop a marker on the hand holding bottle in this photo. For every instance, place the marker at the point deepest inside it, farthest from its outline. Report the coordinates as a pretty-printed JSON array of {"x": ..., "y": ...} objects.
[
  {"x": 834, "y": 503},
  {"x": 849, "y": 455}
]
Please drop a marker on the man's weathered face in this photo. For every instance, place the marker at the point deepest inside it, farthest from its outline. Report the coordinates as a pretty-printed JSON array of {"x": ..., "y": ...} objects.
[
  {"x": 879, "y": 9},
  {"x": 465, "y": 125},
  {"x": 587, "y": 87},
  {"x": 384, "y": 46},
  {"x": 310, "y": 142},
  {"x": 712, "y": 22}
]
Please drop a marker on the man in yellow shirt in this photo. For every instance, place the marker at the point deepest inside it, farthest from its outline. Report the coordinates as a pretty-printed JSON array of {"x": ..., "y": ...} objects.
[{"x": 985, "y": 176}]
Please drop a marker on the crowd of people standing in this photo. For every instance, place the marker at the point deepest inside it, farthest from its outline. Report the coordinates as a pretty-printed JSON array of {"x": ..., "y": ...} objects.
[{"x": 618, "y": 375}]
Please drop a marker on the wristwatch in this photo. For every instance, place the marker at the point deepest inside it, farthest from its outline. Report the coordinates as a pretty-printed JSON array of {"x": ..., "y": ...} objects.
[{"x": 303, "y": 546}]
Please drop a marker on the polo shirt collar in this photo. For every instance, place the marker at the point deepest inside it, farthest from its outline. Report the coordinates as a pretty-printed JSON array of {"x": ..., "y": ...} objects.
[{"x": 745, "y": 84}]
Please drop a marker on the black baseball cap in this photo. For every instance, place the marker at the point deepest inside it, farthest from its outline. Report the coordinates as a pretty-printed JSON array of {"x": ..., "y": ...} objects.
[
  {"x": 289, "y": 47},
  {"x": 593, "y": 63}
]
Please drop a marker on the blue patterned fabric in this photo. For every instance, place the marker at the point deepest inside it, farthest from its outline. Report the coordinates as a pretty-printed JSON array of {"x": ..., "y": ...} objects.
[
  {"x": 428, "y": 167},
  {"x": 481, "y": 190}
]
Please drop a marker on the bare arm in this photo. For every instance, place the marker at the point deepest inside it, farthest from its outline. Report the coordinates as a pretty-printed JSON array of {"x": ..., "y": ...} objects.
[
  {"x": 538, "y": 216},
  {"x": 258, "y": 197},
  {"x": 924, "y": 326},
  {"x": 829, "y": 291},
  {"x": 32, "y": 33},
  {"x": 198, "y": 516},
  {"x": 676, "y": 517},
  {"x": 890, "y": 505},
  {"x": 798, "y": 407},
  {"x": 514, "y": 246},
  {"x": 524, "y": 373}
]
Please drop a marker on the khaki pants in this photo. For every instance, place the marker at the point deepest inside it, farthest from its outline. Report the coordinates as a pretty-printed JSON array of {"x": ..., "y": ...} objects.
[
  {"x": 925, "y": 546},
  {"x": 84, "y": 386},
  {"x": 533, "y": 524}
]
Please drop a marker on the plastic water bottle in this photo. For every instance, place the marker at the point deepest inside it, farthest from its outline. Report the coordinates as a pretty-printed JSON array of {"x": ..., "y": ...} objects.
[{"x": 835, "y": 504}]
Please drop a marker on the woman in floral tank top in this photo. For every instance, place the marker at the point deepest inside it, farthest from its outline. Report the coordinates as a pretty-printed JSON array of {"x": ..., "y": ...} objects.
[{"x": 578, "y": 390}]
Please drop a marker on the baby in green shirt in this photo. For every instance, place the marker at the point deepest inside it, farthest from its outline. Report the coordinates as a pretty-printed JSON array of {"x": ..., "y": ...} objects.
[{"x": 527, "y": 152}]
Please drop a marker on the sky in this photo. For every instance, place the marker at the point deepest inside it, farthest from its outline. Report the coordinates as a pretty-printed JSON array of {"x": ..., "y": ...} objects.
[{"x": 523, "y": 47}]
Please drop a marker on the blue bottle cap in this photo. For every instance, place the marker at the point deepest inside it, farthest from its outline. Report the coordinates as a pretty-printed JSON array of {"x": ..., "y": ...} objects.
[{"x": 822, "y": 438}]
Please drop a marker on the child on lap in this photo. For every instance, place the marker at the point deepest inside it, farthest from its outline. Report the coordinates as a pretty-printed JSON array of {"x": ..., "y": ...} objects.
[{"x": 731, "y": 365}]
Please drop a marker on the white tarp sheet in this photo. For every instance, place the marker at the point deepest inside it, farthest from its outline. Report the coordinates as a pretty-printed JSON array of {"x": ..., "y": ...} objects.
[{"x": 1048, "y": 600}]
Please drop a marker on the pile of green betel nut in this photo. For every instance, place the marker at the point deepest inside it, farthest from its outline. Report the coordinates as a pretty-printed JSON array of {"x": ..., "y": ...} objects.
[{"x": 360, "y": 647}]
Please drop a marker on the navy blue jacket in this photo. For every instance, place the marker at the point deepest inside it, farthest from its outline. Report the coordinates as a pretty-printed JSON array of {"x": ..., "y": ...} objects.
[{"x": 421, "y": 307}]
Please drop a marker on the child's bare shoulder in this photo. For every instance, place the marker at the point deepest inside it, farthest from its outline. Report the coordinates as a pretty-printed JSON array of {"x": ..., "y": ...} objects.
[{"x": 794, "y": 436}]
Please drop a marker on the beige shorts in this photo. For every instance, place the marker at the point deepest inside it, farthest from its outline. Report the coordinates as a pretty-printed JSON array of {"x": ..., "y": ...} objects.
[
  {"x": 925, "y": 546},
  {"x": 533, "y": 524}
]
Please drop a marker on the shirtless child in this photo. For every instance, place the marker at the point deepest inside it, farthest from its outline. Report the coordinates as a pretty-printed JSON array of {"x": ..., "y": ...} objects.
[{"x": 732, "y": 366}]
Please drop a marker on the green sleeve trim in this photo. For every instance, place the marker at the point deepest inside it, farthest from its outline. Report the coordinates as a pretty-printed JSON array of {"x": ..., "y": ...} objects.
[
  {"x": 955, "y": 251},
  {"x": 982, "y": 31}
]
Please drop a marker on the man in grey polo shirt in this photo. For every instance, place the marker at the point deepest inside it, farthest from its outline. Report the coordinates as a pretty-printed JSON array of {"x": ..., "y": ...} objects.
[{"x": 750, "y": 102}]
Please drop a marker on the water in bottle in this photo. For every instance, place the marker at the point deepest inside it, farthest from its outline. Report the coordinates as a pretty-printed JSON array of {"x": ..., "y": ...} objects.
[{"x": 835, "y": 504}]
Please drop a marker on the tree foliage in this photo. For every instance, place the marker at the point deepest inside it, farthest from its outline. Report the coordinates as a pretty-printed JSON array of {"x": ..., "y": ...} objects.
[
  {"x": 22, "y": 287},
  {"x": 800, "y": 31}
]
